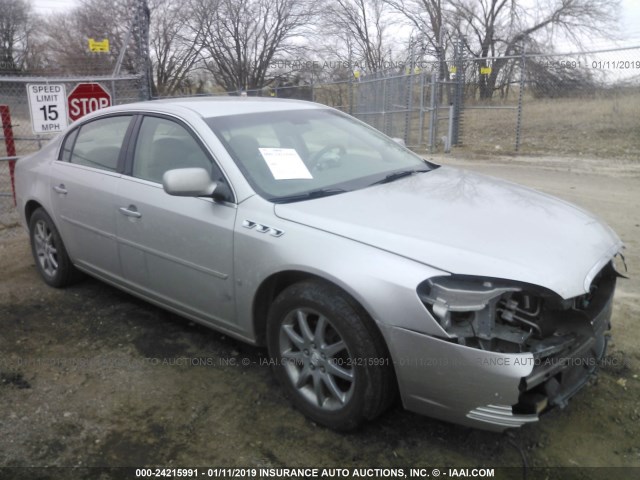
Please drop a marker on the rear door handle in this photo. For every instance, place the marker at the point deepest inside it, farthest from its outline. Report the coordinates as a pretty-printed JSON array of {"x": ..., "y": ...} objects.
[
  {"x": 130, "y": 211},
  {"x": 61, "y": 189}
]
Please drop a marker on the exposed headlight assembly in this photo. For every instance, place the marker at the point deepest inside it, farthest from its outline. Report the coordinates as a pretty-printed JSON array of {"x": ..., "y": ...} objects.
[{"x": 482, "y": 312}]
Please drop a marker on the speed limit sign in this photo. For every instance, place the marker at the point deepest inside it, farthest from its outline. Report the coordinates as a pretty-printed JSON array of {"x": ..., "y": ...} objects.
[{"x": 48, "y": 107}]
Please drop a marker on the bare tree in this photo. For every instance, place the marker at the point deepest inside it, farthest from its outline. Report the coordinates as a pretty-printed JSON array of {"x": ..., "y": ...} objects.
[
  {"x": 174, "y": 48},
  {"x": 558, "y": 82},
  {"x": 241, "y": 38},
  {"x": 17, "y": 23},
  {"x": 70, "y": 32},
  {"x": 502, "y": 28},
  {"x": 361, "y": 26},
  {"x": 428, "y": 18}
]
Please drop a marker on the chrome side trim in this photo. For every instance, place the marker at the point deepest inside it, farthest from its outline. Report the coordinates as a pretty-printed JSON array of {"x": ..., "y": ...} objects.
[{"x": 500, "y": 415}]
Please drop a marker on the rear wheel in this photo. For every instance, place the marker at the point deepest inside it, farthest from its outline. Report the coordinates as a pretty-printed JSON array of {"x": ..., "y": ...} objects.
[
  {"x": 49, "y": 253},
  {"x": 328, "y": 355}
]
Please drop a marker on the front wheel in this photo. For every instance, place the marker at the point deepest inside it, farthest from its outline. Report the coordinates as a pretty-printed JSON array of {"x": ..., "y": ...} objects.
[
  {"x": 328, "y": 355},
  {"x": 49, "y": 253}
]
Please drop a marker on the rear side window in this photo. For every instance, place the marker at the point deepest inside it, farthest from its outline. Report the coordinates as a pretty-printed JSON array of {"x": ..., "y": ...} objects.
[{"x": 98, "y": 143}]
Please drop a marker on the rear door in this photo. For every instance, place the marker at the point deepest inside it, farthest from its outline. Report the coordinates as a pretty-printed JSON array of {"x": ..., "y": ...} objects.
[
  {"x": 175, "y": 250},
  {"x": 83, "y": 182}
]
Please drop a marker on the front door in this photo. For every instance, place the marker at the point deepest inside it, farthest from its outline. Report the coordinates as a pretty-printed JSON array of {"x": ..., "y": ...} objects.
[{"x": 176, "y": 250}]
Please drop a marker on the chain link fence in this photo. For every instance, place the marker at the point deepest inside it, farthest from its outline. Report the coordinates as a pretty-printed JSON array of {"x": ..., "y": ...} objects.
[
  {"x": 577, "y": 104},
  {"x": 13, "y": 92},
  {"x": 18, "y": 138},
  {"x": 581, "y": 104}
]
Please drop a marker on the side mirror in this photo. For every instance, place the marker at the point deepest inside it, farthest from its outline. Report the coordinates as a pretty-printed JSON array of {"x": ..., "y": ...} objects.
[{"x": 188, "y": 182}]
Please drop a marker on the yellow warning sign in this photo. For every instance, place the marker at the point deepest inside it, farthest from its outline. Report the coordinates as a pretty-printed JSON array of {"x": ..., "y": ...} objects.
[
  {"x": 101, "y": 46},
  {"x": 485, "y": 70},
  {"x": 453, "y": 69}
]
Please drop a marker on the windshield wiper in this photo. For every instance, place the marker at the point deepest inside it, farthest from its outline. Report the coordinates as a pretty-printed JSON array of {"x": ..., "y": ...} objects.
[
  {"x": 318, "y": 193},
  {"x": 396, "y": 175}
]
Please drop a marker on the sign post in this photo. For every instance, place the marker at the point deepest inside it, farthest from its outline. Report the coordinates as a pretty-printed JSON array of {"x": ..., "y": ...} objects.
[
  {"x": 7, "y": 130},
  {"x": 48, "y": 107},
  {"x": 86, "y": 98}
]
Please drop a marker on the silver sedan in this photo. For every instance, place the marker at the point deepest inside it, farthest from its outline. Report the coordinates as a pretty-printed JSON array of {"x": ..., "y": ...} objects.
[{"x": 366, "y": 271}]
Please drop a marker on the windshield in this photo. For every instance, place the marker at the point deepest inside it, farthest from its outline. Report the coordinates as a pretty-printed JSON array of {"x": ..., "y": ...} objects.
[{"x": 302, "y": 154}]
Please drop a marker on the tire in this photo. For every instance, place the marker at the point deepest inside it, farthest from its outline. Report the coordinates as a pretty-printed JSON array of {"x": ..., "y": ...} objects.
[
  {"x": 52, "y": 260},
  {"x": 328, "y": 355}
]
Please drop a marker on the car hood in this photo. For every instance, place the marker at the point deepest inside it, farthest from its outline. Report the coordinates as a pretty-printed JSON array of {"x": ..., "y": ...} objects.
[{"x": 467, "y": 223}]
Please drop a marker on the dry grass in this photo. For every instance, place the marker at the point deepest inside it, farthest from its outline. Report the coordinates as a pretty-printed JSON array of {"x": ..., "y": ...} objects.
[{"x": 601, "y": 127}]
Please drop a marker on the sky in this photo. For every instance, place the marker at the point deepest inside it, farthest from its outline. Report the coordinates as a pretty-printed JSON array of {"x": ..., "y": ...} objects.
[{"x": 630, "y": 18}]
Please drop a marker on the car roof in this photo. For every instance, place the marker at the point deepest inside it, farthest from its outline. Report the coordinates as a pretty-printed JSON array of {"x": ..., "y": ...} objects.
[{"x": 219, "y": 106}]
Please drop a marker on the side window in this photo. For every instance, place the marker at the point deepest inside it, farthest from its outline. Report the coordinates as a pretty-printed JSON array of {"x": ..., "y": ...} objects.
[
  {"x": 65, "y": 154},
  {"x": 164, "y": 145},
  {"x": 98, "y": 143}
]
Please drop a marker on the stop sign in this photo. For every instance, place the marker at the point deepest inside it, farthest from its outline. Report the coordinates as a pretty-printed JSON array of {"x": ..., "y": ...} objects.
[{"x": 87, "y": 98}]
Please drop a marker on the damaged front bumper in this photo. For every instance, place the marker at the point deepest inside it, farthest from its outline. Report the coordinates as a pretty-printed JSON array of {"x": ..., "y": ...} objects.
[{"x": 481, "y": 385}]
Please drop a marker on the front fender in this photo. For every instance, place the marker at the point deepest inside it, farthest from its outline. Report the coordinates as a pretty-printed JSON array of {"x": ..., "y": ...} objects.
[{"x": 382, "y": 282}]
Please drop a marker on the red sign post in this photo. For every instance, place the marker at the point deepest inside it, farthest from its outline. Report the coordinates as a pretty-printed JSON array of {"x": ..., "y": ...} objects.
[
  {"x": 87, "y": 98},
  {"x": 7, "y": 130}
]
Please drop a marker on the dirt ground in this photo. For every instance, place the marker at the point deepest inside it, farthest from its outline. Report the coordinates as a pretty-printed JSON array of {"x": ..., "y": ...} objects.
[{"x": 90, "y": 376}]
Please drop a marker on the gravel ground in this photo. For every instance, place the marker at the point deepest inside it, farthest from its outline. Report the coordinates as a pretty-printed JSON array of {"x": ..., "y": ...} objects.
[{"x": 90, "y": 376}]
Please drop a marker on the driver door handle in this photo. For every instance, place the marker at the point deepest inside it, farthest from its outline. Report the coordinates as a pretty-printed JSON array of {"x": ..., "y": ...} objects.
[{"x": 60, "y": 189}]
